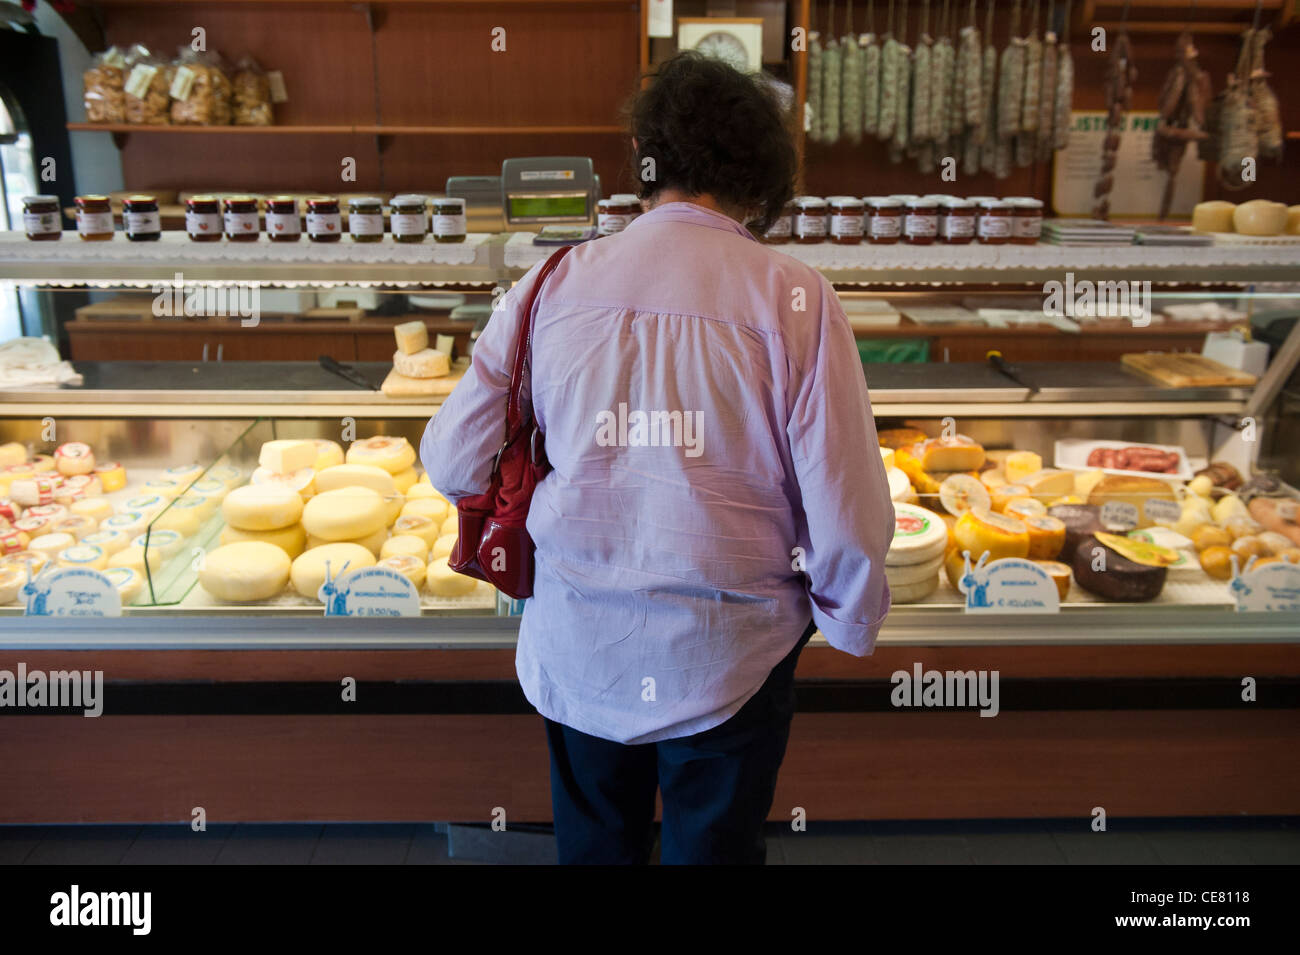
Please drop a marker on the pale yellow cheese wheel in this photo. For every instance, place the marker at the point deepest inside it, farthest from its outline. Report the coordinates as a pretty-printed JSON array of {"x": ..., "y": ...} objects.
[
  {"x": 412, "y": 568},
  {"x": 371, "y": 542},
  {"x": 1214, "y": 216},
  {"x": 451, "y": 525},
  {"x": 245, "y": 570},
  {"x": 186, "y": 515},
  {"x": 82, "y": 555},
  {"x": 133, "y": 556},
  {"x": 1260, "y": 217},
  {"x": 423, "y": 528},
  {"x": 421, "y": 489},
  {"x": 127, "y": 581},
  {"x": 292, "y": 539},
  {"x": 442, "y": 546},
  {"x": 430, "y": 507},
  {"x": 393, "y": 504},
  {"x": 262, "y": 507},
  {"x": 404, "y": 480},
  {"x": 328, "y": 454},
  {"x": 344, "y": 514},
  {"x": 96, "y": 508},
  {"x": 441, "y": 581},
  {"x": 393, "y": 454},
  {"x": 308, "y": 570},
  {"x": 13, "y": 578},
  {"x": 355, "y": 475},
  {"x": 109, "y": 541},
  {"x": 405, "y": 544},
  {"x": 51, "y": 544},
  {"x": 1293, "y": 220},
  {"x": 12, "y": 453}
]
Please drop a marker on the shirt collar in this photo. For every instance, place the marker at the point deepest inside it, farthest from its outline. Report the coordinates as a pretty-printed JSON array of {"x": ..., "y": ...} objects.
[{"x": 695, "y": 215}]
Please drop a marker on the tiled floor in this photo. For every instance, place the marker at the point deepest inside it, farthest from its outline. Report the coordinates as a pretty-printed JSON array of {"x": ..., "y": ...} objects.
[{"x": 1044, "y": 842}]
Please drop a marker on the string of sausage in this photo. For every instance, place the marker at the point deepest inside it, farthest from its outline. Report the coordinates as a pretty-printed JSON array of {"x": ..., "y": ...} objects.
[
  {"x": 1047, "y": 87},
  {"x": 1064, "y": 87},
  {"x": 832, "y": 74},
  {"x": 1026, "y": 140},
  {"x": 870, "y": 75},
  {"x": 851, "y": 83}
]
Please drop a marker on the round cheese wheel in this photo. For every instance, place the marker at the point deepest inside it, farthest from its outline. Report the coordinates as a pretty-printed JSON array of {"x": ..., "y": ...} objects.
[
  {"x": 1260, "y": 217},
  {"x": 441, "y": 581},
  {"x": 302, "y": 481},
  {"x": 163, "y": 487},
  {"x": 443, "y": 546},
  {"x": 1022, "y": 508},
  {"x": 1213, "y": 216},
  {"x": 55, "y": 512},
  {"x": 1046, "y": 536},
  {"x": 96, "y": 508},
  {"x": 42, "y": 463},
  {"x": 1119, "y": 578},
  {"x": 422, "y": 527},
  {"x": 451, "y": 525},
  {"x": 75, "y": 457},
  {"x": 245, "y": 570},
  {"x": 165, "y": 542},
  {"x": 112, "y": 476},
  {"x": 109, "y": 541},
  {"x": 372, "y": 542},
  {"x": 129, "y": 523},
  {"x": 210, "y": 488},
  {"x": 980, "y": 530},
  {"x": 186, "y": 516},
  {"x": 51, "y": 544},
  {"x": 22, "y": 559},
  {"x": 1081, "y": 522},
  {"x": 393, "y": 504},
  {"x": 1060, "y": 574},
  {"x": 12, "y": 453},
  {"x": 405, "y": 480},
  {"x": 134, "y": 556},
  {"x": 425, "y": 363},
  {"x": 433, "y": 508},
  {"x": 227, "y": 474},
  {"x": 907, "y": 574},
  {"x": 1293, "y": 220},
  {"x": 919, "y": 536},
  {"x": 328, "y": 453},
  {"x": 76, "y": 525},
  {"x": 82, "y": 555},
  {"x": 421, "y": 489},
  {"x": 262, "y": 507},
  {"x": 355, "y": 475},
  {"x": 127, "y": 581},
  {"x": 406, "y": 545},
  {"x": 899, "y": 485},
  {"x": 12, "y": 580},
  {"x": 394, "y": 455},
  {"x": 292, "y": 539},
  {"x": 183, "y": 474},
  {"x": 1004, "y": 494},
  {"x": 88, "y": 484},
  {"x": 412, "y": 568},
  {"x": 345, "y": 514},
  {"x": 911, "y": 593},
  {"x": 309, "y": 569},
  {"x": 33, "y": 526},
  {"x": 146, "y": 504}
]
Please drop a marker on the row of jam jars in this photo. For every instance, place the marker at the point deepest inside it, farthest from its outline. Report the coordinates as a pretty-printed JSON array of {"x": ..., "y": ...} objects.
[
  {"x": 235, "y": 218},
  {"x": 911, "y": 219}
]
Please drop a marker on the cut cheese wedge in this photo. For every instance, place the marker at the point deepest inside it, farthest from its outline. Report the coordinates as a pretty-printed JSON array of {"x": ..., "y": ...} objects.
[
  {"x": 1047, "y": 485},
  {"x": 980, "y": 530}
]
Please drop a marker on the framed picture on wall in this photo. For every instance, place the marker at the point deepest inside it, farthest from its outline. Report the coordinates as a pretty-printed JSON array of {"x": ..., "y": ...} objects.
[{"x": 734, "y": 40}]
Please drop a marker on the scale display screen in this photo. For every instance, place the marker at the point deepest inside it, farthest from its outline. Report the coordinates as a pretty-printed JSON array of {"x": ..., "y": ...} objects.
[{"x": 548, "y": 205}]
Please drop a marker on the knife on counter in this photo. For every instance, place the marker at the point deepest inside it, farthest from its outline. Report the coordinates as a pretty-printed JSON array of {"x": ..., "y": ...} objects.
[
  {"x": 1009, "y": 370},
  {"x": 346, "y": 372}
]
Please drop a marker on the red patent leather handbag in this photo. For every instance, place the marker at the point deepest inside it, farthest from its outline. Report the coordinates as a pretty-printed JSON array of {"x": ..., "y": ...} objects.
[{"x": 493, "y": 543}]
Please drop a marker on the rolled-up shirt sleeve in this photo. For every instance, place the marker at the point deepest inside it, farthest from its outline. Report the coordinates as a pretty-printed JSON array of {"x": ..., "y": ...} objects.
[
  {"x": 462, "y": 438},
  {"x": 846, "y": 502}
]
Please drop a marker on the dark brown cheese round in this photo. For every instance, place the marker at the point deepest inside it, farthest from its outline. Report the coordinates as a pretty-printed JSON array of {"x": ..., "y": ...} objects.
[{"x": 1122, "y": 579}]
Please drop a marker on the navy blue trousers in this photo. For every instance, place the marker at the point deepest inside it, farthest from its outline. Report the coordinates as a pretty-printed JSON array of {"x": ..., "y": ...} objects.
[{"x": 717, "y": 786}]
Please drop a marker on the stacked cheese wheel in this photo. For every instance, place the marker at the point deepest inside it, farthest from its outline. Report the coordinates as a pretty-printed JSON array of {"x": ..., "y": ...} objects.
[
  {"x": 916, "y": 553},
  {"x": 414, "y": 358}
]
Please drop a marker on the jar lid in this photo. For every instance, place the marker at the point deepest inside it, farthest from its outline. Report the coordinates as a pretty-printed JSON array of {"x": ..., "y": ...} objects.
[
  {"x": 809, "y": 202},
  {"x": 846, "y": 202},
  {"x": 886, "y": 202},
  {"x": 409, "y": 199},
  {"x": 92, "y": 198},
  {"x": 364, "y": 201},
  {"x": 322, "y": 200},
  {"x": 1024, "y": 202},
  {"x": 994, "y": 204},
  {"x": 978, "y": 199},
  {"x": 449, "y": 201},
  {"x": 281, "y": 199},
  {"x": 953, "y": 202},
  {"x": 31, "y": 199},
  {"x": 624, "y": 198},
  {"x": 870, "y": 199},
  {"x": 200, "y": 199},
  {"x": 603, "y": 203},
  {"x": 140, "y": 198},
  {"x": 922, "y": 202},
  {"x": 905, "y": 196}
]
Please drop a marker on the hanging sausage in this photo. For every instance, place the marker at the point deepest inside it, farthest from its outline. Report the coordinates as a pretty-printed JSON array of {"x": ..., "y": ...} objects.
[
  {"x": 922, "y": 80},
  {"x": 870, "y": 74},
  {"x": 988, "y": 131},
  {"x": 903, "y": 89},
  {"x": 1047, "y": 86},
  {"x": 851, "y": 81},
  {"x": 945, "y": 58},
  {"x": 814, "y": 84},
  {"x": 1026, "y": 140},
  {"x": 832, "y": 74},
  {"x": 889, "y": 54},
  {"x": 1064, "y": 88},
  {"x": 1183, "y": 101},
  {"x": 1264, "y": 106},
  {"x": 1121, "y": 75}
]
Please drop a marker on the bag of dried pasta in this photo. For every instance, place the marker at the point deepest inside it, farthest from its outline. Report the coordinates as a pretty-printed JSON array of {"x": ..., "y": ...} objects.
[
  {"x": 200, "y": 90},
  {"x": 252, "y": 94},
  {"x": 102, "y": 88},
  {"x": 148, "y": 79}
]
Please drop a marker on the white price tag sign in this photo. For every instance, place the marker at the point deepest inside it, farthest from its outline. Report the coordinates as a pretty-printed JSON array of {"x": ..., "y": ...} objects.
[{"x": 1119, "y": 517}]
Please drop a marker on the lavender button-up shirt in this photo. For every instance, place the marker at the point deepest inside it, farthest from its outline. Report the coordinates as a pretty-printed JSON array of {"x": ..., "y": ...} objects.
[{"x": 716, "y": 474}]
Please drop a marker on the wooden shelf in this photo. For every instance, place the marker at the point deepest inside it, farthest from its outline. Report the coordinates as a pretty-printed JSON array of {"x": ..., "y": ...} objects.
[{"x": 349, "y": 130}]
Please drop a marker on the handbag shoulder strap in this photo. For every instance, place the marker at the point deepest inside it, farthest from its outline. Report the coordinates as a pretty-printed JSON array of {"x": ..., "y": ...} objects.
[{"x": 514, "y": 417}]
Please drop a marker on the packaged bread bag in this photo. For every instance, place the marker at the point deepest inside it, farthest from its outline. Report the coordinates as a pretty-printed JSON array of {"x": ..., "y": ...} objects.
[
  {"x": 200, "y": 89},
  {"x": 102, "y": 87},
  {"x": 148, "y": 78},
  {"x": 252, "y": 94}
]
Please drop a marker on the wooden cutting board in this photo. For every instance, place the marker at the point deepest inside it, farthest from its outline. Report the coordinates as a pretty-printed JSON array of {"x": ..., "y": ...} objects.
[
  {"x": 1185, "y": 370},
  {"x": 400, "y": 386}
]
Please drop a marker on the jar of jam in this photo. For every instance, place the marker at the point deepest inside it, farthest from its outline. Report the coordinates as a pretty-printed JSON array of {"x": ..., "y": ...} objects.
[
  {"x": 782, "y": 228},
  {"x": 1026, "y": 220},
  {"x": 848, "y": 220},
  {"x": 957, "y": 222},
  {"x": 324, "y": 223},
  {"x": 921, "y": 226},
  {"x": 94, "y": 218},
  {"x": 366, "y": 219},
  {"x": 449, "y": 219},
  {"x": 810, "y": 215},
  {"x": 885, "y": 224},
  {"x": 409, "y": 221},
  {"x": 240, "y": 218},
  {"x": 203, "y": 219},
  {"x": 41, "y": 218},
  {"x": 616, "y": 213},
  {"x": 140, "y": 219},
  {"x": 282, "y": 222},
  {"x": 994, "y": 223}
]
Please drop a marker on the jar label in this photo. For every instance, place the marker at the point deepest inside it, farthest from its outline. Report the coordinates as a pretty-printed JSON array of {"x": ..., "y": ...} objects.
[
  {"x": 782, "y": 228},
  {"x": 94, "y": 223},
  {"x": 922, "y": 225},
  {"x": 324, "y": 223},
  {"x": 365, "y": 223},
  {"x": 958, "y": 227},
  {"x": 995, "y": 227},
  {"x": 241, "y": 223},
  {"x": 202, "y": 223},
  {"x": 39, "y": 223},
  {"x": 409, "y": 223},
  {"x": 142, "y": 222},
  {"x": 849, "y": 225},
  {"x": 886, "y": 227},
  {"x": 610, "y": 222},
  {"x": 449, "y": 225},
  {"x": 1027, "y": 227},
  {"x": 809, "y": 225},
  {"x": 283, "y": 223}
]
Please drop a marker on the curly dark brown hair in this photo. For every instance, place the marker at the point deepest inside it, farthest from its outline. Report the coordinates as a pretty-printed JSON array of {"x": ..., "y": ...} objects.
[{"x": 712, "y": 130}]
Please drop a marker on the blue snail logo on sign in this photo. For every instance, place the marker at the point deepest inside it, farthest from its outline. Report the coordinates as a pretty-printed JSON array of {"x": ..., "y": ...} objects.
[
  {"x": 1008, "y": 585},
  {"x": 70, "y": 592},
  {"x": 369, "y": 592},
  {"x": 1273, "y": 588}
]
